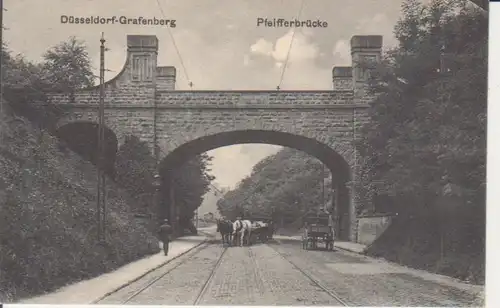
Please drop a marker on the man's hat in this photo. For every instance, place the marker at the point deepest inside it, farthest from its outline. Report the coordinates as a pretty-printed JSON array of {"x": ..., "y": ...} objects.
[{"x": 165, "y": 220}]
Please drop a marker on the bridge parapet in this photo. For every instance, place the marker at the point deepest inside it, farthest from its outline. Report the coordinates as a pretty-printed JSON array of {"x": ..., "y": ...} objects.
[
  {"x": 141, "y": 83},
  {"x": 255, "y": 99},
  {"x": 136, "y": 96}
]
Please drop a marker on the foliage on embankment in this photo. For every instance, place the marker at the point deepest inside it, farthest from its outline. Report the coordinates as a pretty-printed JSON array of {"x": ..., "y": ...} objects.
[
  {"x": 47, "y": 193},
  {"x": 426, "y": 142},
  {"x": 191, "y": 182},
  {"x": 48, "y": 226},
  {"x": 286, "y": 185},
  {"x": 135, "y": 169},
  {"x": 424, "y": 147}
]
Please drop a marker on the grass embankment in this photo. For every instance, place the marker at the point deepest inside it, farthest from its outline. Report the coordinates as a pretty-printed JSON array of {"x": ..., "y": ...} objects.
[
  {"x": 417, "y": 243},
  {"x": 48, "y": 221}
]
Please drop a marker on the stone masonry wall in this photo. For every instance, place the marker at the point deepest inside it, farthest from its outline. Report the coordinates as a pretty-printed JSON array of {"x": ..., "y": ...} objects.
[
  {"x": 329, "y": 126},
  {"x": 183, "y": 116},
  {"x": 141, "y": 100}
]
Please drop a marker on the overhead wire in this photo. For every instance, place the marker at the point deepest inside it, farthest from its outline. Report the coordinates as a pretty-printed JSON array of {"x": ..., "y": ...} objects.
[
  {"x": 189, "y": 82},
  {"x": 290, "y": 47}
]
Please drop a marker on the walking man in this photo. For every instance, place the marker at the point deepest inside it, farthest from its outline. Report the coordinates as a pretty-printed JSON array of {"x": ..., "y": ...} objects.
[{"x": 164, "y": 234}]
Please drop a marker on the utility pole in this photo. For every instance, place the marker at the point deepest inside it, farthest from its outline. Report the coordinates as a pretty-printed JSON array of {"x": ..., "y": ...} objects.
[
  {"x": 197, "y": 218},
  {"x": 103, "y": 141},
  {"x": 323, "y": 185},
  {"x": 101, "y": 177},
  {"x": 1, "y": 59}
]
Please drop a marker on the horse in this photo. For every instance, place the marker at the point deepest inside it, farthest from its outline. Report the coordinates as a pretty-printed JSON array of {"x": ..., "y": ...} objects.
[
  {"x": 243, "y": 227},
  {"x": 225, "y": 228}
]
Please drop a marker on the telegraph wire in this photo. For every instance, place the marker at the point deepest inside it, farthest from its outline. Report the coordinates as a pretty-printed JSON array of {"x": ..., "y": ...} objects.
[
  {"x": 190, "y": 83},
  {"x": 290, "y": 47}
]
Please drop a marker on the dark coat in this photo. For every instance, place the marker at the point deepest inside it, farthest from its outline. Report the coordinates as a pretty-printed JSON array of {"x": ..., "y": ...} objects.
[{"x": 165, "y": 231}]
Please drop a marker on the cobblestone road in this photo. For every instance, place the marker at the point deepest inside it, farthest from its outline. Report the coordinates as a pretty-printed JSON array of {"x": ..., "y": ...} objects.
[
  {"x": 364, "y": 281},
  {"x": 284, "y": 274}
]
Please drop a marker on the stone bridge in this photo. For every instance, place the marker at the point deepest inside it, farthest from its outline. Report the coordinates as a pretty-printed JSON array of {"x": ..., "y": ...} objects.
[{"x": 142, "y": 101}]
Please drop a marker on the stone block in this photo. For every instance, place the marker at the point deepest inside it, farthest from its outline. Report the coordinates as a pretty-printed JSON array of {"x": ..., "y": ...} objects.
[
  {"x": 366, "y": 42},
  {"x": 142, "y": 42}
]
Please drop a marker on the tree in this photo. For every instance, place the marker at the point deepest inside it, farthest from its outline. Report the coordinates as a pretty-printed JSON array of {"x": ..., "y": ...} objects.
[
  {"x": 135, "y": 167},
  {"x": 401, "y": 145},
  {"x": 191, "y": 183},
  {"x": 25, "y": 88},
  {"x": 286, "y": 185},
  {"x": 425, "y": 142},
  {"x": 68, "y": 66}
]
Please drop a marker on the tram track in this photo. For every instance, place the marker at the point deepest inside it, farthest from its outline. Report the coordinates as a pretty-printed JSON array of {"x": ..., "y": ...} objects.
[
  {"x": 204, "y": 289},
  {"x": 314, "y": 280},
  {"x": 205, "y": 282},
  {"x": 176, "y": 266}
]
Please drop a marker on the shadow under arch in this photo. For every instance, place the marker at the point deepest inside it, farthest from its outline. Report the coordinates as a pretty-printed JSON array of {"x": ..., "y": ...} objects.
[
  {"x": 333, "y": 160},
  {"x": 82, "y": 137},
  {"x": 338, "y": 166}
]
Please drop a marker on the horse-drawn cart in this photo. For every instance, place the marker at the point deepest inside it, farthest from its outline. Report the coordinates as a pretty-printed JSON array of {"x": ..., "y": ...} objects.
[
  {"x": 317, "y": 230},
  {"x": 262, "y": 229}
]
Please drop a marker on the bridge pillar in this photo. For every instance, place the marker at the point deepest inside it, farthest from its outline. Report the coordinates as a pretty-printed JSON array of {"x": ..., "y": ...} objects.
[
  {"x": 352, "y": 211},
  {"x": 174, "y": 220},
  {"x": 342, "y": 203},
  {"x": 365, "y": 51},
  {"x": 342, "y": 78},
  {"x": 165, "y": 78},
  {"x": 160, "y": 208},
  {"x": 334, "y": 207},
  {"x": 142, "y": 58}
]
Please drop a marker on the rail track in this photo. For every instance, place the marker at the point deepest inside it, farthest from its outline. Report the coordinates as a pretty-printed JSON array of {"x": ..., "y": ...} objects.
[
  {"x": 183, "y": 261},
  {"x": 213, "y": 270},
  {"x": 314, "y": 280},
  {"x": 209, "y": 279}
]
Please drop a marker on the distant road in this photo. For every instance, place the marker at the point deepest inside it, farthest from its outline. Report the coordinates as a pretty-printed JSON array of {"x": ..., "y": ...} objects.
[{"x": 209, "y": 229}]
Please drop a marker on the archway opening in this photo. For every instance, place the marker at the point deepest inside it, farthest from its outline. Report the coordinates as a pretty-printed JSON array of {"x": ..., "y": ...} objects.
[
  {"x": 82, "y": 137},
  {"x": 334, "y": 164}
]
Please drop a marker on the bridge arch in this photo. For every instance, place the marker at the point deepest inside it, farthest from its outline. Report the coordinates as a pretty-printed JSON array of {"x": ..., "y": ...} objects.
[
  {"x": 142, "y": 101},
  {"x": 288, "y": 126},
  {"x": 92, "y": 117},
  {"x": 82, "y": 136},
  {"x": 337, "y": 157}
]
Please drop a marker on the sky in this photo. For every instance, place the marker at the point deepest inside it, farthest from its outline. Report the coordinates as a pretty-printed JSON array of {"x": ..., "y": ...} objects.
[{"x": 219, "y": 44}]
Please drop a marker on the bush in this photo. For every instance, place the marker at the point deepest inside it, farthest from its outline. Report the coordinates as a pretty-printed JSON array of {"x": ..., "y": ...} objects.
[
  {"x": 47, "y": 226},
  {"x": 415, "y": 242}
]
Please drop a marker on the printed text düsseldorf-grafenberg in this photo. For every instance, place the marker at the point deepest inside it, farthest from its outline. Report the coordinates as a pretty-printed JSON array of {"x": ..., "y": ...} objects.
[{"x": 122, "y": 20}]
